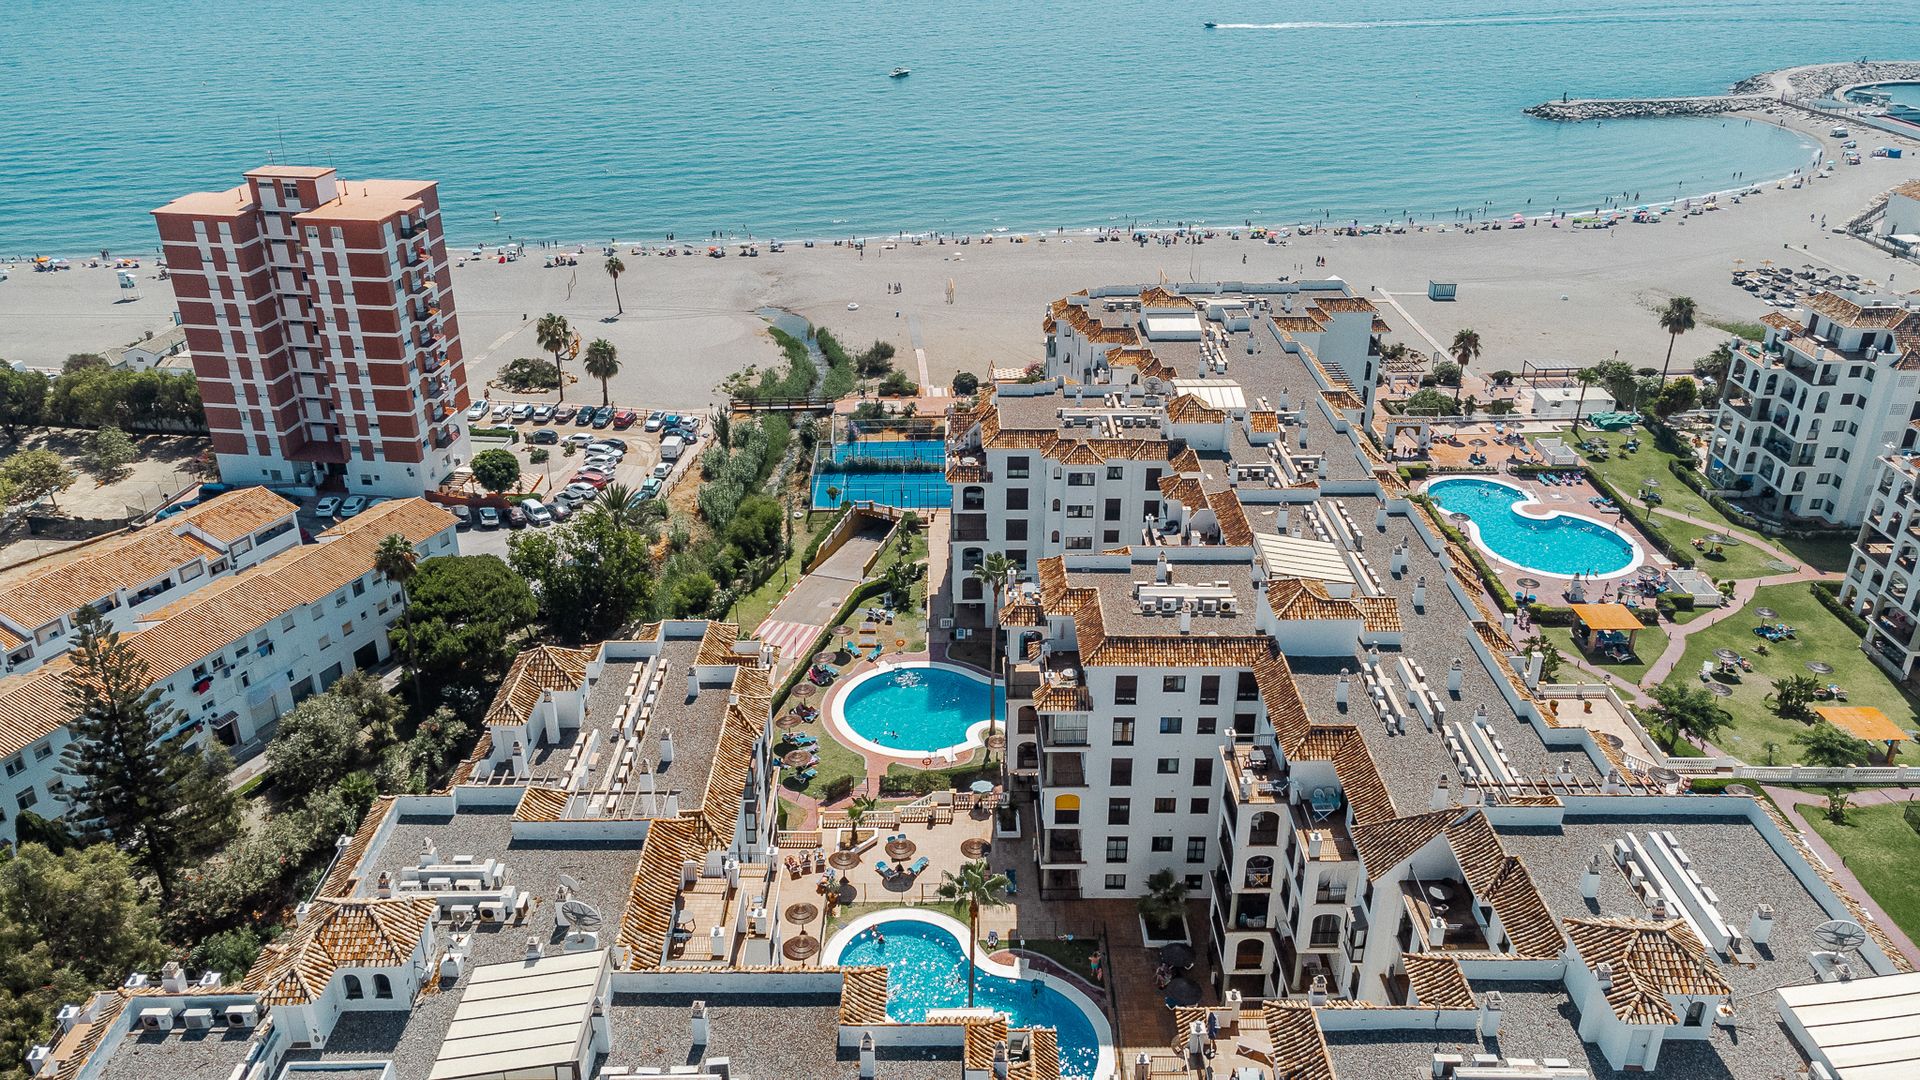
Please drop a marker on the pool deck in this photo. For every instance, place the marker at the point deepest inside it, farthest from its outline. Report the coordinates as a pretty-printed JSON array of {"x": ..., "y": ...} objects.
[{"x": 1572, "y": 499}]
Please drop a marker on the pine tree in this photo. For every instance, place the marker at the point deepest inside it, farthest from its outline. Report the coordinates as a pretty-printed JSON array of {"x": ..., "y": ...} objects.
[{"x": 154, "y": 793}]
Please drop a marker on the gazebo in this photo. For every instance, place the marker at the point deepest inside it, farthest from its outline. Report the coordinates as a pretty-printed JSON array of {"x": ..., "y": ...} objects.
[
  {"x": 1606, "y": 628},
  {"x": 1865, "y": 722}
]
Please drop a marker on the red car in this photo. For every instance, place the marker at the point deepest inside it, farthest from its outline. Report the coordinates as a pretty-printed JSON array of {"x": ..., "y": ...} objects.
[
  {"x": 592, "y": 476},
  {"x": 625, "y": 418}
]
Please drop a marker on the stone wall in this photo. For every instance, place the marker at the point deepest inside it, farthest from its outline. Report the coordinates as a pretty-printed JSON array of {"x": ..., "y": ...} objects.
[{"x": 1625, "y": 108}]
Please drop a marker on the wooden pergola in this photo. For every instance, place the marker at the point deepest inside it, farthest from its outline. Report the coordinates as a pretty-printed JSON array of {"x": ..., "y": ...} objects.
[{"x": 1865, "y": 722}]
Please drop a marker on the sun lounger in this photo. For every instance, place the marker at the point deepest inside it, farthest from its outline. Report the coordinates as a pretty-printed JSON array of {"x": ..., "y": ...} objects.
[
  {"x": 919, "y": 864},
  {"x": 884, "y": 870}
]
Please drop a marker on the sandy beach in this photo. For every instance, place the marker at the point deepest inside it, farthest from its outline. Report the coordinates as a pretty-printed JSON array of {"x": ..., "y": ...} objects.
[{"x": 1551, "y": 296}]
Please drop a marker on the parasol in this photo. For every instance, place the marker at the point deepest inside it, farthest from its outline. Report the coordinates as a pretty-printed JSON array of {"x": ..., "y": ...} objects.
[{"x": 1819, "y": 667}]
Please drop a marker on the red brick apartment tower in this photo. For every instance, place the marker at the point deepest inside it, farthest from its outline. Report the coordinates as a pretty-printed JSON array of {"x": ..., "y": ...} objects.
[{"x": 319, "y": 312}]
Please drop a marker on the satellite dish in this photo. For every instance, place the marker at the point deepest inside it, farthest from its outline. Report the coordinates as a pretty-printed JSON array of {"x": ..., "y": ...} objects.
[
  {"x": 1840, "y": 934},
  {"x": 580, "y": 914},
  {"x": 568, "y": 885}
]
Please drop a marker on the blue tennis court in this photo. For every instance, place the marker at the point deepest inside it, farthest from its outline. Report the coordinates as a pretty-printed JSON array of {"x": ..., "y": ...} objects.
[{"x": 865, "y": 475}]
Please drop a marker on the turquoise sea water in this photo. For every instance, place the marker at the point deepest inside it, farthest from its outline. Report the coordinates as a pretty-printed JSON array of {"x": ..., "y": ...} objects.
[
  {"x": 596, "y": 119},
  {"x": 1562, "y": 545},
  {"x": 927, "y": 969}
]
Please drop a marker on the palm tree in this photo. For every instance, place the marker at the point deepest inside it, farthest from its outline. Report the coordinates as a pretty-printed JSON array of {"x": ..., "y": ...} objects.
[
  {"x": 861, "y": 806},
  {"x": 1585, "y": 377},
  {"x": 1166, "y": 901},
  {"x": 603, "y": 363},
  {"x": 623, "y": 503},
  {"x": 980, "y": 887},
  {"x": 1676, "y": 318},
  {"x": 614, "y": 269},
  {"x": 396, "y": 561},
  {"x": 1465, "y": 349},
  {"x": 996, "y": 573},
  {"x": 552, "y": 332}
]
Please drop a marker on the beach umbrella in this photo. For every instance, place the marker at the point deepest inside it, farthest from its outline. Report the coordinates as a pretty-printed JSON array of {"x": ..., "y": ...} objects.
[
  {"x": 1527, "y": 582},
  {"x": 1178, "y": 954},
  {"x": 1767, "y": 613},
  {"x": 1726, "y": 654},
  {"x": 1183, "y": 992},
  {"x": 789, "y": 721},
  {"x": 981, "y": 787},
  {"x": 805, "y": 690},
  {"x": 1819, "y": 667}
]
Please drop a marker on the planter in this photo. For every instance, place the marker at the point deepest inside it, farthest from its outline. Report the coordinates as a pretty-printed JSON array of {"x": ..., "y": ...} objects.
[
  {"x": 1152, "y": 940},
  {"x": 1006, "y": 823}
]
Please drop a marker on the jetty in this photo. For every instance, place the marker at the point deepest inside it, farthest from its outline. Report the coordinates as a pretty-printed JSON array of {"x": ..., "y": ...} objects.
[{"x": 1802, "y": 86}]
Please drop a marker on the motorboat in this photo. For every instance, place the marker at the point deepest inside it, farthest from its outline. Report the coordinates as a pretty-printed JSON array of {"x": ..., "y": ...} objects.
[
  {"x": 899, "y": 73},
  {"x": 1211, "y": 25}
]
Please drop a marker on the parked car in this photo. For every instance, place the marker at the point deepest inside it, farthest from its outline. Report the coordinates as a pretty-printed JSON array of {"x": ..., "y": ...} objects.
[
  {"x": 663, "y": 470},
  {"x": 650, "y": 489},
  {"x": 561, "y": 511},
  {"x": 478, "y": 410},
  {"x": 581, "y": 491},
  {"x": 489, "y": 518},
  {"x": 542, "y": 413},
  {"x": 328, "y": 506},
  {"x": 608, "y": 442},
  {"x": 606, "y": 463},
  {"x": 565, "y": 497},
  {"x": 624, "y": 418},
  {"x": 564, "y": 413},
  {"x": 501, "y": 410},
  {"x": 462, "y": 517},
  {"x": 672, "y": 447},
  {"x": 578, "y": 438},
  {"x": 545, "y": 436},
  {"x": 597, "y": 477},
  {"x": 672, "y": 419},
  {"x": 584, "y": 418},
  {"x": 516, "y": 517},
  {"x": 353, "y": 505},
  {"x": 654, "y": 420},
  {"x": 603, "y": 416},
  {"x": 523, "y": 412},
  {"x": 689, "y": 426},
  {"x": 537, "y": 513}
]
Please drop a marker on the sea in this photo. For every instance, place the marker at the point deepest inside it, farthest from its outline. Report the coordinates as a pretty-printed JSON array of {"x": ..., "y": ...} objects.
[{"x": 595, "y": 120}]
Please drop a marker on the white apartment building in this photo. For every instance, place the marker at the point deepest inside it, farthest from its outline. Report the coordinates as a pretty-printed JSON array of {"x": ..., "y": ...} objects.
[
  {"x": 235, "y": 654},
  {"x": 1881, "y": 578},
  {"x": 128, "y": 575},
  {"x": 1829, "y": 390}
]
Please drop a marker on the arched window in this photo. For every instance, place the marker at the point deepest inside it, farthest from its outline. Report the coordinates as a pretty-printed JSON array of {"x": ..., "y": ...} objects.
[
  {"x": 1028, "y": 756},
  {"x": 1066, "y": 810},
  {"x": 382, "y": 986},
  {"x": 973, "y": 498},
  {"x": 1266, "y": 828},
  {"x": 354, "y": 991},
  {"x": 1326, "y": 932},
  {"x": 1249, "y": 953}
]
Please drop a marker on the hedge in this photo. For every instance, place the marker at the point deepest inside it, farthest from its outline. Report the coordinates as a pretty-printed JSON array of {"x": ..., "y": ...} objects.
[
  {"x": 1491, "y": 580},
  {"x": 507, "y": 433},
  {"x": 1640, "y": 521},
  {"x": 1828, "y": 593},
  {"x": 865, "y": 592}
]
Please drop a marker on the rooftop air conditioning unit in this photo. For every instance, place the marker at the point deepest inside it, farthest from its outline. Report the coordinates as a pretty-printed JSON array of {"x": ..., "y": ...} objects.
[
  {"x": 156, "y": 1019},
  {"x": 198, "y": 1019},
  {"x": 242, "y": 1016},
  {"x": 492, "y": 912}
]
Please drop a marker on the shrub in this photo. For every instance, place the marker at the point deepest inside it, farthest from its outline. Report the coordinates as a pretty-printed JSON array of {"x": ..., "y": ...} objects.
[
  {"x": 965, "y": 383},
  {"x": 530, "y": 373},
  {"x": 1680, "y": 601},
  {"x": 1828, "y": 593},
  {"x": 1639, "y": 518},
  {"x": 538, "y": 455},
  {"x": 507, "y": 433},
  {"x": 1546, "y": 615},
  {"x": 1911, "y": 813}
]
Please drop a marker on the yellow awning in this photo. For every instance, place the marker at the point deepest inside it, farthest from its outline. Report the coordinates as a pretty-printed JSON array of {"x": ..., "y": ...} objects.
[
  {"x": 1607, "y": 617},
  {"x": 1862, "y": 722}
]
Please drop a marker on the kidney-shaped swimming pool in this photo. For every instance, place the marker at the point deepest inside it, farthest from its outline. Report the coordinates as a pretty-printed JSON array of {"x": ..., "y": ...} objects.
[{"x": 1559, "y": 543}]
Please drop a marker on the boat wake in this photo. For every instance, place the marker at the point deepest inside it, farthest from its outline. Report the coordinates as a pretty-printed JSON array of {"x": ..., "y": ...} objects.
[{"x": 1543, "y": 19}]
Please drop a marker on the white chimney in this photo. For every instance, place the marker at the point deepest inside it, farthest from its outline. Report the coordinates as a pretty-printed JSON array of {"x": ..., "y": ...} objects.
[
  {"x": 1760, "y": 928},
  {"x": 172, "y": 979},
  {"x": 1196, "y": 1037},
  {"x": 869, "y": 1065},
  {"x": 693, "y": 683},
  {"x": 1186, "y": 619},
  {"x": 1246, "y": 787},
  {"x": 1397, "y": 565},
  {"x": 1590, "y": 880},
  {"x": 1603, "y": 974},
  {"x": 1490, "y": 1007},
  {"x": 519, "y": 761},
  {"x": 1313, "y": 844},
  {"x": 699, "y": 1023},
  {"x": 1536, "y": 663},
  {"x": 1456, "y": 672},
  {"x": 1162, "y": 572},
  {"x": 1142, "y": 1067},
  {"x": 1419, "y": 590},
  {"x": 1340, "y": 689},
  {"x": 1506, "y": 623},
  {"x": 1373, "y": 659},
  {"x": 1380, "y": 518},
  {"x": 429, "y": 854},
  {"x": 1436, "y": 932},
  {"x": 666, "y": 747},
  {"x": 1001, "y": 1063},
  {"x": 1317, "y": 991},
  {"x": 1280, "y": 519},
  {"x": 1480, "y": 717},
  {"x": 1612, "y": 785},
  {"x": 533, "y": 947},
  {"x": 1442, "y": 794},
  {"x": 383, "y": 886}
]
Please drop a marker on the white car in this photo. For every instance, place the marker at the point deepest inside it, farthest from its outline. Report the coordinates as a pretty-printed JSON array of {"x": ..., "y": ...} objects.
[
  {"x": 353, "y": 505},
  {"x": 501, "y": 411},
  {"x": 582, "y": 491},
  {"x": 328, "y": 506},
  {"x": 537, "y": 514},
  {"x": 578, "y": 438},
  {"x": 478, "y": 411},
  {"x": 663, "y": 470}
]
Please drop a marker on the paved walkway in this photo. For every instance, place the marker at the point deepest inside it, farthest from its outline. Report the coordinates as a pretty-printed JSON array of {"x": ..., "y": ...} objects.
[
  {"x": 815, "y": 599},
  {"x": 1792, "y": 797}
]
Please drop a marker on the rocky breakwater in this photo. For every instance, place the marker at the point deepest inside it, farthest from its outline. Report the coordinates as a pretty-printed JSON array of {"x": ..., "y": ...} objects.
[
  {"x": 1629, "y": 108},
  {"x": 1758, "y": 92}
]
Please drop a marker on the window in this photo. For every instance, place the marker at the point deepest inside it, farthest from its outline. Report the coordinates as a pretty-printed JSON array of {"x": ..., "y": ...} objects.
[
  {"x": 1209, "y": 689},
  {"x": 1110, "y": 536},
  {"x": 1326, "y": 932},
  {"x": 1163, "y": 805},
  {"x": 1167, "y": 766},
  {"x": 1110, "y": 510},
  {"x": 1248, "y": 689},
  {"x": 1199, "y": 806},
  {"x": 1080, "y": 513},
  {"x": 1162, "y": 843},
  {"x": 1173, "y": 684},
  {"x": 1115, "y": 472},
  {"x": 1120, "y": 772},
  {"x": 360, "y": 587},
  {"x": 15, "y": 764},
  {"x": 1195, "y": 883},
  {"x": 1080, "y": 479},
  {"x": 354, "y": 990},
  {"x": 43, "y": 752},
  {"x": 1117, "y": 882},
  {"x": 1018, "y": 557},
  {"x": 1169, "y": 725},
  {"x": 1207, "y": 725},
  {"x": 1196, "y": 849},
  {"x": 27, "y": 798},
  {"x": 1016, "y": 498},
  {"x": 1016, "y": 528},
  {"x": 1202, "y": 772},
  {"x": 1066, "y": 810},
  {"x": 382, "y": 986},
  {"x": 1126, "y": 689},
  {"x": 1123, "y": 731},
  {"x": 1116, "y": 849},
  {"x": 1119, "y": 811},
  {"x": 1018, "y": 467},
  {"x": 1152, "y": 481}
]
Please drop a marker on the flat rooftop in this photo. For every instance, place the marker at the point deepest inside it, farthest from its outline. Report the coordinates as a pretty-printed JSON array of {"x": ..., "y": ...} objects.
[
  {"x": 767, "y": 1037},
  {"x": 181, "y": 1054},
  {"x": 694, "y": 726},
  {"x": 1120, "y": 599}
]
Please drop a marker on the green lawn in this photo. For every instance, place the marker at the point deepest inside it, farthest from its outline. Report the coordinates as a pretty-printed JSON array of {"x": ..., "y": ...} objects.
[
  {"x": 1627, "y": 472},
  {"x": 1820, "y": 637},
  {"x": 752, "y": 609},
  {"x": 1648, "y": 644},
  {"x": 1882, "y": 851},
  {"x": 836, "y": 761},
  {"x": 910, "y": 624},
  {"x": 1076, "y": 955}
]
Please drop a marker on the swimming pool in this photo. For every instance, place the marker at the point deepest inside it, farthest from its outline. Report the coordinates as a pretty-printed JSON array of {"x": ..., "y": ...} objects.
[
  {"x": 925, "y": 955},
  {"x": 917, "y": 708},
  {"x": 1557, "y": 543}
]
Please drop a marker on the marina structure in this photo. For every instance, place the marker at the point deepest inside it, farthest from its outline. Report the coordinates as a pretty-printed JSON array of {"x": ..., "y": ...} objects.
[{"x": 320, "y": 315}]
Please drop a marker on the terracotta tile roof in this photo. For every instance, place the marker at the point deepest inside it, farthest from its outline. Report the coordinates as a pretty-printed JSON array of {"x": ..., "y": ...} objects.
[
  {"x": 534, "y": 672},
  {"x": 1301, "y": 598},
  {"x": 1384, "y": 845},
  {"x": 1380, "y": 326},
  {"x": 337, "y": 934},
  {"x": 1129, "y": 449},
  {"x": 984, "y": 1036},
  {"x": 1076, "y": 452},
  {"x": 1043, "y": 1056},
  {"x": 1011, "y": 439},
  {"x": 1265, "y": 421},
  {"x": 964, "y": 474},
  {"x": 1437, "y": 981},
  {"x": 740, "y": 729},
  {"x": 1343, "y": 304},
  {"x": 648, "y": 917},
  {"x": 35, "y": 595},
  {"x": 1185, "y": 490},
  {"x": 1158, "y": 296},
  {"x": 1780, "y": 320},
  {"x": 863, "y": 996},
  {"x": 1501, "y": 880},
  {"x": 1189, "y": 409},
  {"x": 341, "y": 881},
  {"x": 1309, "y": 323},
  {"x": 1186, "y": 461},
  {"x": 1286, "y": 710},
  {"x": 1650, "y": 960},
  {"x": 1360, "y": 782},
  {"x": 1023, "y": 613},
  {"x": 1173, "y": 652},
  {"x": 1234, "y": 527},
  {"x": 1864, "y": 317},
  {"x": 716, "y": 645},
  {"x": 1911, "y": 189},
  {"x": 1140, "y": 358},
  {"x": 71, "y": 1052},
  {"x": 1059, "y": 699},
  {"x": 1343, "y": 399},
  {"x": 1299, "y": 1048},
  {"x": 542, "y": 802}
]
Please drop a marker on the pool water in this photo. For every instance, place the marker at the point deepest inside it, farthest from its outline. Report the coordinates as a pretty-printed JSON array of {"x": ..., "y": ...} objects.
[
  {"x": 927, "y": 969},
  {"x": 919, "y": 708},
  {"x": 1562, "y": 544}
]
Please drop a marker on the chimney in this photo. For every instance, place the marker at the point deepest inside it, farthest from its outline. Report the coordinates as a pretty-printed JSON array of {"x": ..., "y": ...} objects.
[
  {"x": 666, "y": 747},
  {"x": 1480, "y": 717},
  {"x": 1612, "y": 785},
  {"x": 1506, "y": 623},
  {"x": 1142, "y": 1067},
  {"x": 1590, "y": 880},
  {"x": 1436, "y": 932},
  {"x": 383, "y": 887},
  {"x": 1380, "y": 518},
  {"x": 172, "y": 979},
  {"x": 519, "y": 759},
  {"x": 1490, "y": 1007},
  {"x": 1760, "y": 928},
  {"x": 1373, "y": 659},
  {"x": 1398, "y": 564},
  {"x": 533, "y": 947},
  {"x": 1001, "y": 1062},
  {"x": 1246, "y": 787},
  {"x": 693, "y": 683},
  {"x": 1186, "y": 619},
  {"x": 1340, "y": 689},
  {"x": 429, "y": 853},
  {"x": 699, "y": 1023},
  {"x": 1303, "y": 432},
  {"x": 1442, "y": 794},
  {"x": 869, "y": 1066},
  {"x": 720, "y": 1067},
  {"x": 1320, "y": 466},
  {"x": 1603, "y": 974},
  {"x": 1419, "y": 592},
  {"x": 1162, "y": 571},
  {"x": 1313, "y": 844},
  {"x": 1456, "y": 673},
  {"x": 1536, "y": 662},
  {"x": 1317, "y": 991},
  {"x": 1196, "y": 1037}
]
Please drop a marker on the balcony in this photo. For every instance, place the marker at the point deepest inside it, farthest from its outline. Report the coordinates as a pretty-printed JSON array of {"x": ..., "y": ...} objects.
[
  {"x": 1062, "y": 848},
  {"x": 969, "y": 526},
  {"x": 1065, "y": 770},
  {"x": 1450, "y": 902},
  {"x": 1256, "y": 776}
]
